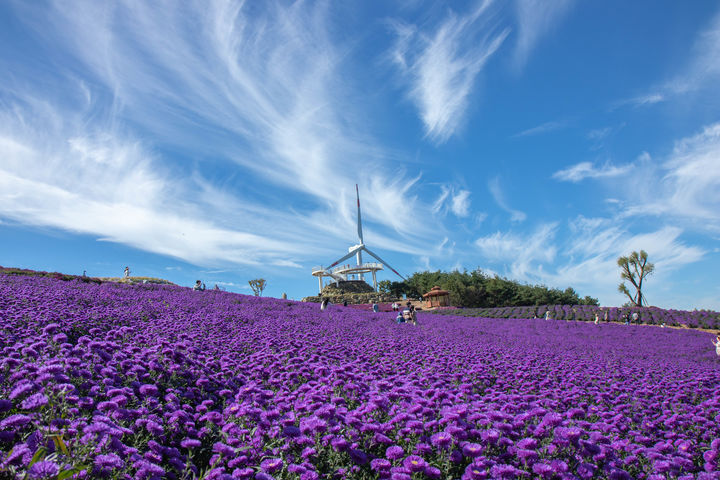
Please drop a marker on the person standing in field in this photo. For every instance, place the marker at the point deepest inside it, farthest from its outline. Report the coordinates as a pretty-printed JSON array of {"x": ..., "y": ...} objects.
[
  {"x": 324, "y": 304},
  {"x": 547, "y": 314},
  {"x": 375, "y": 308},
  {"x": 413, "y": 315},
  {"x": 635, "y": 317},
  {"x": 127, "y": 272},
  {"x": 597, "y": 318},
  {"x": 716, "y": 342},
  {"x": 605, "y": 316}
]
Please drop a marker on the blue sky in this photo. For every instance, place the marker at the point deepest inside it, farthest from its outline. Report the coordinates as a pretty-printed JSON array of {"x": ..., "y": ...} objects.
[{"x": 222, "y": 140}]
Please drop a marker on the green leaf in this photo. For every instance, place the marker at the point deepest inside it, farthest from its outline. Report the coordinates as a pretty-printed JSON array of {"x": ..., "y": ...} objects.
[
  {"x": 39, "y": 455},
  {"x": 69, "y": 473},
  {"x": 59, "y": 444}
]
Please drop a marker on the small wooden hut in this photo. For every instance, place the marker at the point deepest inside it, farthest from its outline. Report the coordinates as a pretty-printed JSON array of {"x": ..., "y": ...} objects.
[{"x": 437, "y": 297}]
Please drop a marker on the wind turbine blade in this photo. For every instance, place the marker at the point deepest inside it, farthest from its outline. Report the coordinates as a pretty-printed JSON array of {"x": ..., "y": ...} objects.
[
  {"x": 357, "y": 193},
  {"x": 384, "y": 263},
  {"x": 344, "y": 258}
]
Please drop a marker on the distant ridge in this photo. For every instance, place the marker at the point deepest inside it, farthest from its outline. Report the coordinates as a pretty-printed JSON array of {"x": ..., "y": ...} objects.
[{"x": 67, "y": 277}]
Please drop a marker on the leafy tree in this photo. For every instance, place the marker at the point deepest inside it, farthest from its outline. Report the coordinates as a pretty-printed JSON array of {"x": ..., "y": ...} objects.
[
  {"x": 634, "y": 268},
  {"x": 384, "y": 286},
  {"x": 477, "y": 290},
  {"x": 257, "y": 285}
]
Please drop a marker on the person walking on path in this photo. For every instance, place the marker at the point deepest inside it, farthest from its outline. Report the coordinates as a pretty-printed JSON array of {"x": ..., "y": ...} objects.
[{"x": 716, "y": 342}]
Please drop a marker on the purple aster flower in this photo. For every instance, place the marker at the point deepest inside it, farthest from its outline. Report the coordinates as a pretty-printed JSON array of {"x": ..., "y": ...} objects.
[
  {"x": 415, "y": 463},
  {"x": 21, "y": 389},
  {"x": 109, "y": 461},
  {"x": 394, "y": 453},
  {"x": 148, "y": 390},
  {"x": 50, "y": 328},
  {"x": 472, "y": 450},
  {"x": 380, "y": 464},
  {"x": 527, "y": 443},
  {"x": 242, "y": 473},
  {"x": 271, "y": 465},
  {"x": 34, "y": 401},
  {"x": 16, "y": 420},
  {"x": 190, "y": 443},
  {"x": 503, "y": 471},
  {"x": 340, "y": 444},
  {"x": 543, "y": 469},
  {"x": 5, "y": 405},
  {"x": 433, "y": 473},
  {"x": 44, "y": 469},
  {"x": 441, "y": 439},
  {"x": 107, "y": 406},
  {"x": 474, "y": 472}
]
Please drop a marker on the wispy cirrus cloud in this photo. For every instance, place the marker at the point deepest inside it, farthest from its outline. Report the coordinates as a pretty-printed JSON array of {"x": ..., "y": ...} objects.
[
  {"x": 542, "y": 128},
  {"x": 595, "y": 245},
  {"x": 585, "y": 257},
  {"x": 161, "y": 92},
  {"x": 583, "y": 170},
  {"x": 535, "y": 19},
  {"x": 499, "y": 196},
  {"x": 456, "y": 201},
  {"x": 641, "y": 100},
  {"x": 700, "y": 72},
  {"x": 523, "y": 254},
  {"x": 440, "y": 64},
  {"x": 687, "y": 184}
]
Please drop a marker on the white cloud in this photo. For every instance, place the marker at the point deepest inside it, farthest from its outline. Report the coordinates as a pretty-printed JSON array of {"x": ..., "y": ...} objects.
[
  {"x": 523, "y": 253},
  {"x": 441, "y": 66},
  {"x": 641, "y": 101},
  {"x": 535, "y": 19},
  {"x": 586, "y": 256},
  {"x": 543, "y": 128},
  {"x": 687, "y": 185},
  {"x": 701, "y": 71},
  {"x": 262, "y": 93},
  {"x": 703, "y": 68},
  {"x": 450, "y": 199},
  {"x": 499, "y": 197},
  {"x": 597, "y": 243},
  {"x": 583, "y": 170},
  {"x": 460, "y": 205}
]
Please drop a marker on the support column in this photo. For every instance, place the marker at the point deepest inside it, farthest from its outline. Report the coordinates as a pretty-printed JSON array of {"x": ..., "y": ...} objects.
[
  {"x": 374, "y": 281},
  {"x": 320, "y": 283}
]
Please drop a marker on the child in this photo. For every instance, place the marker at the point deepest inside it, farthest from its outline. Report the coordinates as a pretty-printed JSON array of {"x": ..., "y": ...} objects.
[{"x": 399, "y": 318}]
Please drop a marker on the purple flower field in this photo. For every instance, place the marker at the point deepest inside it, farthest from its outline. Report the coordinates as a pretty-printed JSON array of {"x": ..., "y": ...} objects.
[
  {"x": 648, "y": 315},
  {"x": 149, "y": 381}
]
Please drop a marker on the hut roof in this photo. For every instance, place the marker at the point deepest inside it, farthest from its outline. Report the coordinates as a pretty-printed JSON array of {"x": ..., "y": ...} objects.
[{"x": 436, "y": 292}]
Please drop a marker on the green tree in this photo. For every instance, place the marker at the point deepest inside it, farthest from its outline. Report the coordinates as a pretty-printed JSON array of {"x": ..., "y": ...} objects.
[
  {"x": 384, "y": 286},
  {"x": 257, "y": 285},
  {"x": 634, "y": 268}
]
